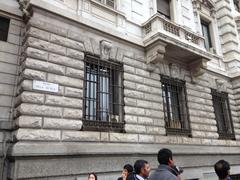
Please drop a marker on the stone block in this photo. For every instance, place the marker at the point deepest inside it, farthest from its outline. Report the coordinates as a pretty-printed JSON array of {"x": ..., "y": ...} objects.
[
  {"x": 44, "y": 66},
  {"x": 145, "y": 120},
  {"x": 73, "y": 92},
  {"x": 120, "y": 137},
  {"x": 67, "y": 42},
  {"x": 146, "y": 138},
  {"x": 35, "y": 32},
  {"x": 75, "y": 73},
  {"x": 134, "y": 110},
  {"x": 75, "y": 54},
  {"x": 37, "y": 135},
  {"x": 133, "y": 94},
  {"x": 29, "y": 122},
  {"x": 68, "y": 81},
  {"x": 80, "y": 136},
  {"x": 30, "y": 97},
  {"x": 131, "y": 119},
  {"x": 36, "y": 53},
  {"x": 67, "y": 61},
  {"x": 134, "y": 128},
  {"x": 72, "y": 113},
  {"x": 63, "y": 101},
  {"x": 58, "y": 123},
  {"x": 33, "y": 74},
  {"x": 39, "y": 110},
  {"x": 40, "y": 23}
]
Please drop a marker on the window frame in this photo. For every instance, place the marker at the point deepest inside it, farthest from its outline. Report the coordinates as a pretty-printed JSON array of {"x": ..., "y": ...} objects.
[
  {"x": 105, "y": 2},
  {"x": 170, "y": 9},
  {"x": 183, "y": 110},
  {"x": 4, "y": 38},
  {"x": 98, "y": 125},
  {"x": 223, "y": 96},
  {"x": 209, "y": 35}
]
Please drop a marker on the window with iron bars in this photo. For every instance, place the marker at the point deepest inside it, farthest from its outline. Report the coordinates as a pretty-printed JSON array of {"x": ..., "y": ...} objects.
[
  {"x": 175, "y": 106},
  {"x": 109, "y": 3},
  {"x": 103, "y": 98},
  {"x": 223, "y": 114},
  {"x": 4, "y": 27}
]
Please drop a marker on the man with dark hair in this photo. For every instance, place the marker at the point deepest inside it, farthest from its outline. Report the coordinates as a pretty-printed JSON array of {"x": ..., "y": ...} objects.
[
  {"x": 142, "y": 170},
  {"x": 127, "y": 169},
  {"x": 222, "y": 169},
  {"x": 165, "y": 170}
]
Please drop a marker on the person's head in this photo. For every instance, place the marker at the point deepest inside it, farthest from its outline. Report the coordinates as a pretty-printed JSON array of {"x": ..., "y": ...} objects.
[
  {"x": 222, "y": 169},
  {"x": 127, "y": 168},
  {"x": 165, "y": 157},
  {"x": 92, "y": 176},
  {"x": 142, "y": 168}
]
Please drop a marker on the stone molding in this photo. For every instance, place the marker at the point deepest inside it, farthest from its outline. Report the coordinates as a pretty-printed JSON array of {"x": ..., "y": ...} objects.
[
  {"x": 105, "y": 49},
  {"x": 46, "y": 148}
]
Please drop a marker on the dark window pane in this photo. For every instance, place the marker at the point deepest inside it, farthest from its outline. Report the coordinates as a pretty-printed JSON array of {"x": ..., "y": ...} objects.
[
  {"x": 4, "y": 26},
  {"x": 223, "y": 115},
  {"x": 175, "y": 106},
  {"x": 163, "y": 7},
  {"x": 206, "y": 35}
]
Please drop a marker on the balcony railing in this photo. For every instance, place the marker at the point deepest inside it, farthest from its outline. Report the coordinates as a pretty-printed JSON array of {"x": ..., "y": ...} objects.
[{"x": 159, "y": 23}]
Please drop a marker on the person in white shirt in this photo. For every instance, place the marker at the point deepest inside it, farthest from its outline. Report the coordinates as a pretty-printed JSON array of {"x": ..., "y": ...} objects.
[{"x": 142, "y": 170}]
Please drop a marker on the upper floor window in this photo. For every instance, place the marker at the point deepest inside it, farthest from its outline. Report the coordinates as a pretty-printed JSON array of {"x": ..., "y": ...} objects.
[
  {"x": 103, "y": 95},
  {"x": 206, "y": 34},
  {"x": 223, "y": 114},
  {"x": 175, "y": 106},
  {"x": 163, "y": 7},
  {"x": 4, "y": 27},
  {"x": 109, "y": 3}
]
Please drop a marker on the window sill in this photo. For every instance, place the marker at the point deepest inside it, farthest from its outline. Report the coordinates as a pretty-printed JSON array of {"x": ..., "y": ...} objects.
[
  {"x": 103, "y": 126},
  {"x": 107, "y": 7}
]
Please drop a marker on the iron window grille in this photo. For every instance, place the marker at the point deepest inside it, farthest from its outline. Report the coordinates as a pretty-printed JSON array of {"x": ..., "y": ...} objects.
[
  {"x": 103, "y": 99},
  {"x": 175, "y": 106},
  {"x": 4, "y": 27},
  {"x": 223, "y": 114}
]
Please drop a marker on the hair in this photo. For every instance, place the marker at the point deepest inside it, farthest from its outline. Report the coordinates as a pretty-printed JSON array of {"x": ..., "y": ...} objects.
[
  {"x": 94, "y": 174},
  {"x": 139, "y": 164},
  {"x": 164, "y": 155},
  {"x": 128, "y": 167},
  {"x": 221, "y": 168}
]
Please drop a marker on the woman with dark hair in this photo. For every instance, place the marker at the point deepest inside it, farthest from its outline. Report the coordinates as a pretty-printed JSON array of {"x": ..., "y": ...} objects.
[{"x": 92, "y": 176}]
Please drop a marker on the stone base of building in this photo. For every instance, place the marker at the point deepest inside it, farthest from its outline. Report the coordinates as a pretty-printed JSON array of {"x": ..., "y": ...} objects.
[{"x": 72, "y": 161}]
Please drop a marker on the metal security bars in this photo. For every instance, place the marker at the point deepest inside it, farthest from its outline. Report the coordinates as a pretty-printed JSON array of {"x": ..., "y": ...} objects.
[
  {"x": 4, "y": 27},
  {"x": 223, "y": 114},
  {"x": 103, "y": 98},
  {"x": 175, "y": 106}
]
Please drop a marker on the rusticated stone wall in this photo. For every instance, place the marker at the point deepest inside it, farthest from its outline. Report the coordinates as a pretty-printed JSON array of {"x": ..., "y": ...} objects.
[{"x": 53, "y": 50}]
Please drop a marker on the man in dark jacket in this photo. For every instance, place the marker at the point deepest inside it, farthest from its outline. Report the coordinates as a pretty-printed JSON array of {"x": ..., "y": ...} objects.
[
  {"x": 165, "y": 170},
  {"x": 222, "y": 169},
  {"x": 141, "y": 170}
]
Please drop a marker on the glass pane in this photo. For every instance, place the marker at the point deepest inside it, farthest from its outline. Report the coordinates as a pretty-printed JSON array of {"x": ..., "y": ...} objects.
[
  {"x": 206, "y": 35},
  {"x": 163, "y": 7}
]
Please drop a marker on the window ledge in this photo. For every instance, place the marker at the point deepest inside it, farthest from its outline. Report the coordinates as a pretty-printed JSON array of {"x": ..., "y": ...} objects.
[{"x": 107, "y": 8}]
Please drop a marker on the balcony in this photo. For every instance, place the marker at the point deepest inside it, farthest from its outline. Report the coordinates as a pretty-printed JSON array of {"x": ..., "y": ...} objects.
[{"x": 168, "y": 42}]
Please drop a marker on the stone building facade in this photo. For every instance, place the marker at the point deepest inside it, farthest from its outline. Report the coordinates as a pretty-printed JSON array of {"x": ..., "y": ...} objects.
[{"x": 89, "y": 85}]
